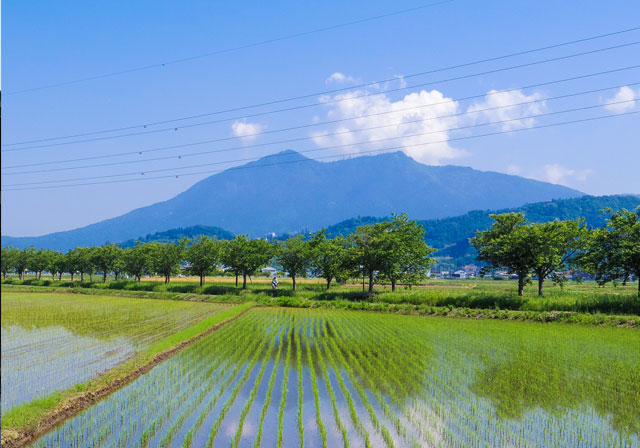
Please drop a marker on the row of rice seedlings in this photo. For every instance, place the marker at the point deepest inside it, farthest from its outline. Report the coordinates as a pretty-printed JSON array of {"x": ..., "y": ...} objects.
[
  {"x": 236, "y": 389},
  {"x": 367, "y": 372},
  {"x": 56, "y": 358},
  {"x": 202, "y": 355},
  {"x": 332, "y": 396},
  {"x": 400, "y": 370},
  {"x": 357, "y": 423},
  {"x": 299, "y": 370},
  {"x": 272, "y": 380},
  {"x": 361, "y": 393},
  {"x": 237, "y": 363},
  {"x": 254, "y": 391},
  {"x": 316, "y": 397},
  {"x": 408, "y": 370},
  {"x": 285, "y": 382},
  {"x": 152, "y": 384}
]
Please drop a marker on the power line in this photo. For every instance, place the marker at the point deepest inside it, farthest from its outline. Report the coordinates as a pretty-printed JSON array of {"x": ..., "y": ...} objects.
[
  {"x": 325, "y": 135},
  {"x": 351, "y": 144},
  {"x": 374, "y": 83},
  {"x": 323, "y": 157},
  {"x": 328, "y": 122},
  {"x": 228, "y": 50}
]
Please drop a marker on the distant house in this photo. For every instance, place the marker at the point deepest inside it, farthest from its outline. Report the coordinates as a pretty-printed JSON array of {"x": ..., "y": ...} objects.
[
  {"x": 460, "y": 273},
  {"x": 272, "y": 271}
]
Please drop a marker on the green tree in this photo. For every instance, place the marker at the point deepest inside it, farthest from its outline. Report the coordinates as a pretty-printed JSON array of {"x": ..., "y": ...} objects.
[
  {"x": 80, "y": 260},
  {"x": 22, "y": 260},
  {"x": 137, "y": 260},
  {"x": 203, "y": 256},
  {"x": 56, "y": 264},
  {"x": 613, "y": 252},
  {"x": 294, "y": 255},
  {"x": 329, "y": 257},
  {"x": 509, "y": 243},
  {"x": 369, "y": 250},
  {"x": 38, "y": 261},
  {"x": 406, "y": 253},
  {"x": 106, "y": 259},
  {"x": 244, "y": 256},
  {"x": 166, "y": 257},
  {"x": 9, "y": 255},
  {"x": 557, "y": 242}
]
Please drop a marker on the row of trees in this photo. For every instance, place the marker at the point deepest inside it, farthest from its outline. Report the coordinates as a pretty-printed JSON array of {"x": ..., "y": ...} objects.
[
  {"x": 542, "y": 249},
  {"x": 392, "y": 251}
]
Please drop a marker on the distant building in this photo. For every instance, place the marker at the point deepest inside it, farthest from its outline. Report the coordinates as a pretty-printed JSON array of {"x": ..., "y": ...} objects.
[
  {"x": 460, "y": 273},
  {"x": 272, "y": 271}
]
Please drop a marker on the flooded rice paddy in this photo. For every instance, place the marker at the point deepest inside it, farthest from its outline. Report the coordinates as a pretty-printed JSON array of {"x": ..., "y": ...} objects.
[{"x": 279, "y": 377}]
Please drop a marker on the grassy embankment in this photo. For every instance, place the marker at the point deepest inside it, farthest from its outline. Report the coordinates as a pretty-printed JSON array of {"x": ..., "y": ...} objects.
[{"x": 475, "y": 298}]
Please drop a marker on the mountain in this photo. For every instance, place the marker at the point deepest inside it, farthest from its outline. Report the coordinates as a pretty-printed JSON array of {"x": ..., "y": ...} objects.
[
  {"x": 451, "y": 235},
  {"x": 173, "y": 235},
  {"x": 286, "y": 192}
]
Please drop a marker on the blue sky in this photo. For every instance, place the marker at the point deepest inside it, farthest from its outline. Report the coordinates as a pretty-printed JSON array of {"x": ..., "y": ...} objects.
[{"x": 53, "y": 42}]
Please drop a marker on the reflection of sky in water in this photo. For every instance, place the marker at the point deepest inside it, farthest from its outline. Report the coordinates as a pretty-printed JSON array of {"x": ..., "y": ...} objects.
[
  {"x": 37, "y": 362},
  {"x": 448, "y": 408}
]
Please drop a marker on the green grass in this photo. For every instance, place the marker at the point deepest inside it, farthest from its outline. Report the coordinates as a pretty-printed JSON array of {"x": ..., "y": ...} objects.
[{"x": 586, "y": 297}]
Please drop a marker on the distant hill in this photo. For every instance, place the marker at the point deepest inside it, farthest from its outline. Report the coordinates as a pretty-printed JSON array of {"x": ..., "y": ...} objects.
[
  {"x": 286, "y": 192},
  {"x": 451, "y": 235},
  {"x": 173, "y": 235}
]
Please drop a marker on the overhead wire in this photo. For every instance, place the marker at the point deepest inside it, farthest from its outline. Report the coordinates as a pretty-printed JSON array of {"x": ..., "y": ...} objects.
[
  {"x": 360, "y": 86},
  {"x": 349, "y": 145},
  {"x": 298, "y": 139},
  {"x": 228, "y": 50}
]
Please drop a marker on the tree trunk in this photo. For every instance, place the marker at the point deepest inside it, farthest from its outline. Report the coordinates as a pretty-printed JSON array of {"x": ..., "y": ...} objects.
[
  {"x": 236, "y": 279},
  {"x": 72, "y": 277},
  {"x": 39, "y": 275},
  {"x": 167, "y": 278},
  {"x": 201, "y": 280},
  {"x": 393, "y": 285},
  {"x": 540, "y": 283},
  {"x": 137, "y": 278},
  {"x": 371, "y": 281},
  {"x": 60, "y": 276},
  {"x": 104, "y": 276},
  {"x": 293, "y": 278},
  {"x": 328, "y": 283},
  {"x": 244, "y": 280},
  {"x": 521, "y": 285}
]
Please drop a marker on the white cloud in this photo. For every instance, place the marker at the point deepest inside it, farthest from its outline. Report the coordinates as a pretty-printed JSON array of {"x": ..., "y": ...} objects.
[
  {"x": 493, "y": 108},
  {"x": 247, "y": 131},
  {"x": 558, "y": 174},
  {"x": 514, "y": 169},
  {"x": 624, "y": 94},
  {"x": 426, "y": 109},
  {"x": 340, "y": 78}
]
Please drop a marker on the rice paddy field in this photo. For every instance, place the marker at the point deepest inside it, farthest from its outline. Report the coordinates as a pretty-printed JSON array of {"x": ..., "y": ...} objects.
[
  {"x": 326, "y": 378},
  {"x": 51, "y": 342}
]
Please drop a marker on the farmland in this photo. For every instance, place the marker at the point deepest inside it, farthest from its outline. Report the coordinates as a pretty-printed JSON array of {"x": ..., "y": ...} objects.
[
  {"x": 293, "y": 377},
  {"x": 51, "y": 342}
]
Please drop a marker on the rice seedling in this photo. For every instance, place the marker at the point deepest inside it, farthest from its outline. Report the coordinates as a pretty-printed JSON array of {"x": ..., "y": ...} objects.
[{"x": 388, "y": 380}]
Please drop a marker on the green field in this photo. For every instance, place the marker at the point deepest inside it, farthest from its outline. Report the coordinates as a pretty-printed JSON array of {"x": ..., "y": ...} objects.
[
  {"x": 325, "y": 374},
  {"x": 280, "y": 377},
  {"x": 51, "y": 342}
]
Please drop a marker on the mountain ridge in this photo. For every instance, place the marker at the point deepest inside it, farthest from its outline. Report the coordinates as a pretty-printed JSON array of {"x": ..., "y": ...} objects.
[{"x": 290, "y": 192}]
